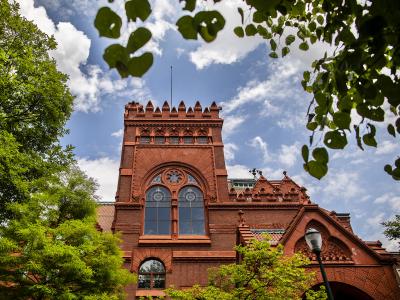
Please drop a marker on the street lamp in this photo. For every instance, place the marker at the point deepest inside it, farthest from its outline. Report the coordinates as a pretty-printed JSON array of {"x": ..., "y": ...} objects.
[{"x": 314, "y": 242}]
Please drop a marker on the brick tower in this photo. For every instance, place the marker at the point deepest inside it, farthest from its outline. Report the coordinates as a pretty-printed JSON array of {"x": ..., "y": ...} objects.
[{"x": 179, "y": 214}]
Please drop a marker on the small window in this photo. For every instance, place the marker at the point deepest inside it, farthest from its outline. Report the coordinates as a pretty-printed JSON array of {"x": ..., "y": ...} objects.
[
  {"x": 157, "y": 219},
  {"x": 159, "y": 140},
  {"x": 151, "y": 275},
  {"x": 145, "y": 140},
  {"x": 202, "y": 140},
  {"x": 188, "y": 140},
  {"x": 174, "y": 140}
]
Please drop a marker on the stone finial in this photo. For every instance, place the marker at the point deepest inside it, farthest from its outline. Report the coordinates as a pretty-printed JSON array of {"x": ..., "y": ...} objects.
[
  {"x": 165, "y": 106},
  {"x": 149, "y": 106},
  {"x": 182, "y": 106},
  {"x": 197, "y": 106}
]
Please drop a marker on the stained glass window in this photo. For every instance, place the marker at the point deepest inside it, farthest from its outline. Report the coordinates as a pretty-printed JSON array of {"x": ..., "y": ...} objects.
[
  {"x": 151, "y": 275},
  {"x": 159, "y": 140},
  {"x": 188, "y": 140},
  {"x": 157, "y": 179},
  {"x": 158, "y": 211},
  {"x": 191, "y": 211}
]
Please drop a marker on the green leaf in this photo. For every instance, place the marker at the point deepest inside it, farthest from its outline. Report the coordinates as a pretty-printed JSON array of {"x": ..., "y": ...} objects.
[
  {"x": 335, "y": 139},
  {"x": 138, "y": 39},
  {"x": 320, "y": 19},
  {"x": 342, "y": 120},
  {"x": 321, "y": 155},
  {"x": 187, "y": 28},
  {"x": 285, "y": 51},
  {"x": 250, "y": 30},
  {"x": 388, "y": 169},
  {"x": 369, "y": 140},
  {"x": 208, "y": 24},
  {"x": 303, "y": 46},
  {"x": 139, "y": 65},
  {"x": 190, "y": 5},
  {"x": 137, "y": 9},
  {"x": 312, "y": 126},
  {"x": 391, "y": 130},
  {"x": 317, "y": 169},
  {"x": 273, "y": 45},
  {"x": 239, "y": 31},
  {"x": 305, "y": 153},
  {"x": 240, "y": 10},
  {"x": 306, "y": 76},
  {"x": 290, "y": 39},
  {"x": 108, "y": 23},
  {"x": 116, "y": 56},
  {"x": 273, "y": 55},
  {"x": 258, "y": 17}
]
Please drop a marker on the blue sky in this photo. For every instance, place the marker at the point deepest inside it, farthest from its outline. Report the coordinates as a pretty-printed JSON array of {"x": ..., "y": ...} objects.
[{"x": 264, "y": 106}]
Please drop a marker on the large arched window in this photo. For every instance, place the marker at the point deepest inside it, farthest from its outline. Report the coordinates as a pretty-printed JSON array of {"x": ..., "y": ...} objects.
[
  {"x": 151, "y": 275},
  {"x": 191, "y": 211},
  {"x": 158, "y": 211}
]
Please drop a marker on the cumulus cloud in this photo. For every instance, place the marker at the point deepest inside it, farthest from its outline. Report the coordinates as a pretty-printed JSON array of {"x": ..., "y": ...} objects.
[
  {"x": 229, "y": 151},
  {"x": 289, "y": 154},
  {"x": 105, "y": 172},
  {"x": 118, "y": 133},
  {"x": 342, "y": 183},
  {"x": 386, "y": 147},
  {"x": 86, "y": 82},
  {"x": 227, "y": 48},
  {"x": 390, "y": 199},
  {"x": 258, "y": 143},
  {"x": 238, "y": 171}
]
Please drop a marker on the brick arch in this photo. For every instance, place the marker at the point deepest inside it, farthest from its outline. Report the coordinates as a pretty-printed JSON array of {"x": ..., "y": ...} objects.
[
  {"x": 375, "y": 282},
  {"x": 333, "y": 249},
  {"x": 141, "y": 255},
  {"x": 201, "y": 180}
]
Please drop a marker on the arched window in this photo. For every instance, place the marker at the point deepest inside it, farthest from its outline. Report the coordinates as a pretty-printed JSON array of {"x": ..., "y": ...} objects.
[
  {"x": 191, "y": 211},
  {"x": 151, "y": 275},
  {"x": 158, "y": 211}
]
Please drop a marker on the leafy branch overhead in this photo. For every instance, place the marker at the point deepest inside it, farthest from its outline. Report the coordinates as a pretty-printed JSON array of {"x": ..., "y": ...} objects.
[{"x": 354, "y": 88}]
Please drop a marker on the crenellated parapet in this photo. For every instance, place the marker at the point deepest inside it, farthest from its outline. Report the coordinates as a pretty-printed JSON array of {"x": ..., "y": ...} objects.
[
  {"x": 263, "y": 190},
  {"x": 135, "y": 110}
]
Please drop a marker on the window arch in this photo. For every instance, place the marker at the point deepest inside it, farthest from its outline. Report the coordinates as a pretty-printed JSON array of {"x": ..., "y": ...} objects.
[
  {"x": 158, "y": 211},
  {"x": 151, "y": 275},
  {"x": 191, "y": 211}
]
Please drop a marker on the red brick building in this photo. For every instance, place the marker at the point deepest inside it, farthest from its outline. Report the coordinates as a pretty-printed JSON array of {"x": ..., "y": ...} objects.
[{"x": 179, "y": 214}]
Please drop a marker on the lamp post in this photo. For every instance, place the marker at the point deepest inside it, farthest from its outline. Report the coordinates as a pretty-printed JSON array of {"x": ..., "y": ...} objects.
[{"x": 314, "y": 242}]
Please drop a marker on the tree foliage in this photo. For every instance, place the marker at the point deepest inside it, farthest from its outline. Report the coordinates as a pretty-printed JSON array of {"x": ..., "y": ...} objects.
[
  {"x": 51, "y": 249},
  {"x": 35, "y": 103},
  {"x": 354, "y": 88},
  {"x": 49, "y": 245},
  {"x": 263, "y": 273},
  {"x": 392, "y": 228}
]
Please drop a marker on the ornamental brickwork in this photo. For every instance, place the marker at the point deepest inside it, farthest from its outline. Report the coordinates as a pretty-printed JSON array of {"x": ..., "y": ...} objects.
[{"x": 179, "y": 214}]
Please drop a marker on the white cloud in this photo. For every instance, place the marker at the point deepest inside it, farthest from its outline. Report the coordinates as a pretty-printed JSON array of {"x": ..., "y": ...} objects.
[
  {"x": 105, "y": 172},
  {"x": 390, "y": 199},
  {"x": 229, "y": 151},
  {"x": 231, "y": 122},
  {"x": 71, "y": 57},
  {"x": 289, "y": 154},
  {"x": 261, "y": 145},
  {"x": 386, "y": 147},
  {"x": 376, "y": 220},
  {"x": 118, "y": 133},
  {"x": 227, "y": 48},
  {"x": 238, "y": 171},
  {"x": 342, "y": 183}
]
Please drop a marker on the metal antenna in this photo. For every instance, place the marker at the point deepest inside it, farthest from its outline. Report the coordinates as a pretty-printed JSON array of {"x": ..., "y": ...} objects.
[{"x": 171, "y": 89}]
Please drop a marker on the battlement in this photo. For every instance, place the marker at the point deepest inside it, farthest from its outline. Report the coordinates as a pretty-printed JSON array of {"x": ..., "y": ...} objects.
[{"x": 135, "y": 110}]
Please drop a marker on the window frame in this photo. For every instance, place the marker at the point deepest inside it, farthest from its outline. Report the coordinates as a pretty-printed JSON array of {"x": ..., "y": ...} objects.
[{"x": 152, "y": 275}]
